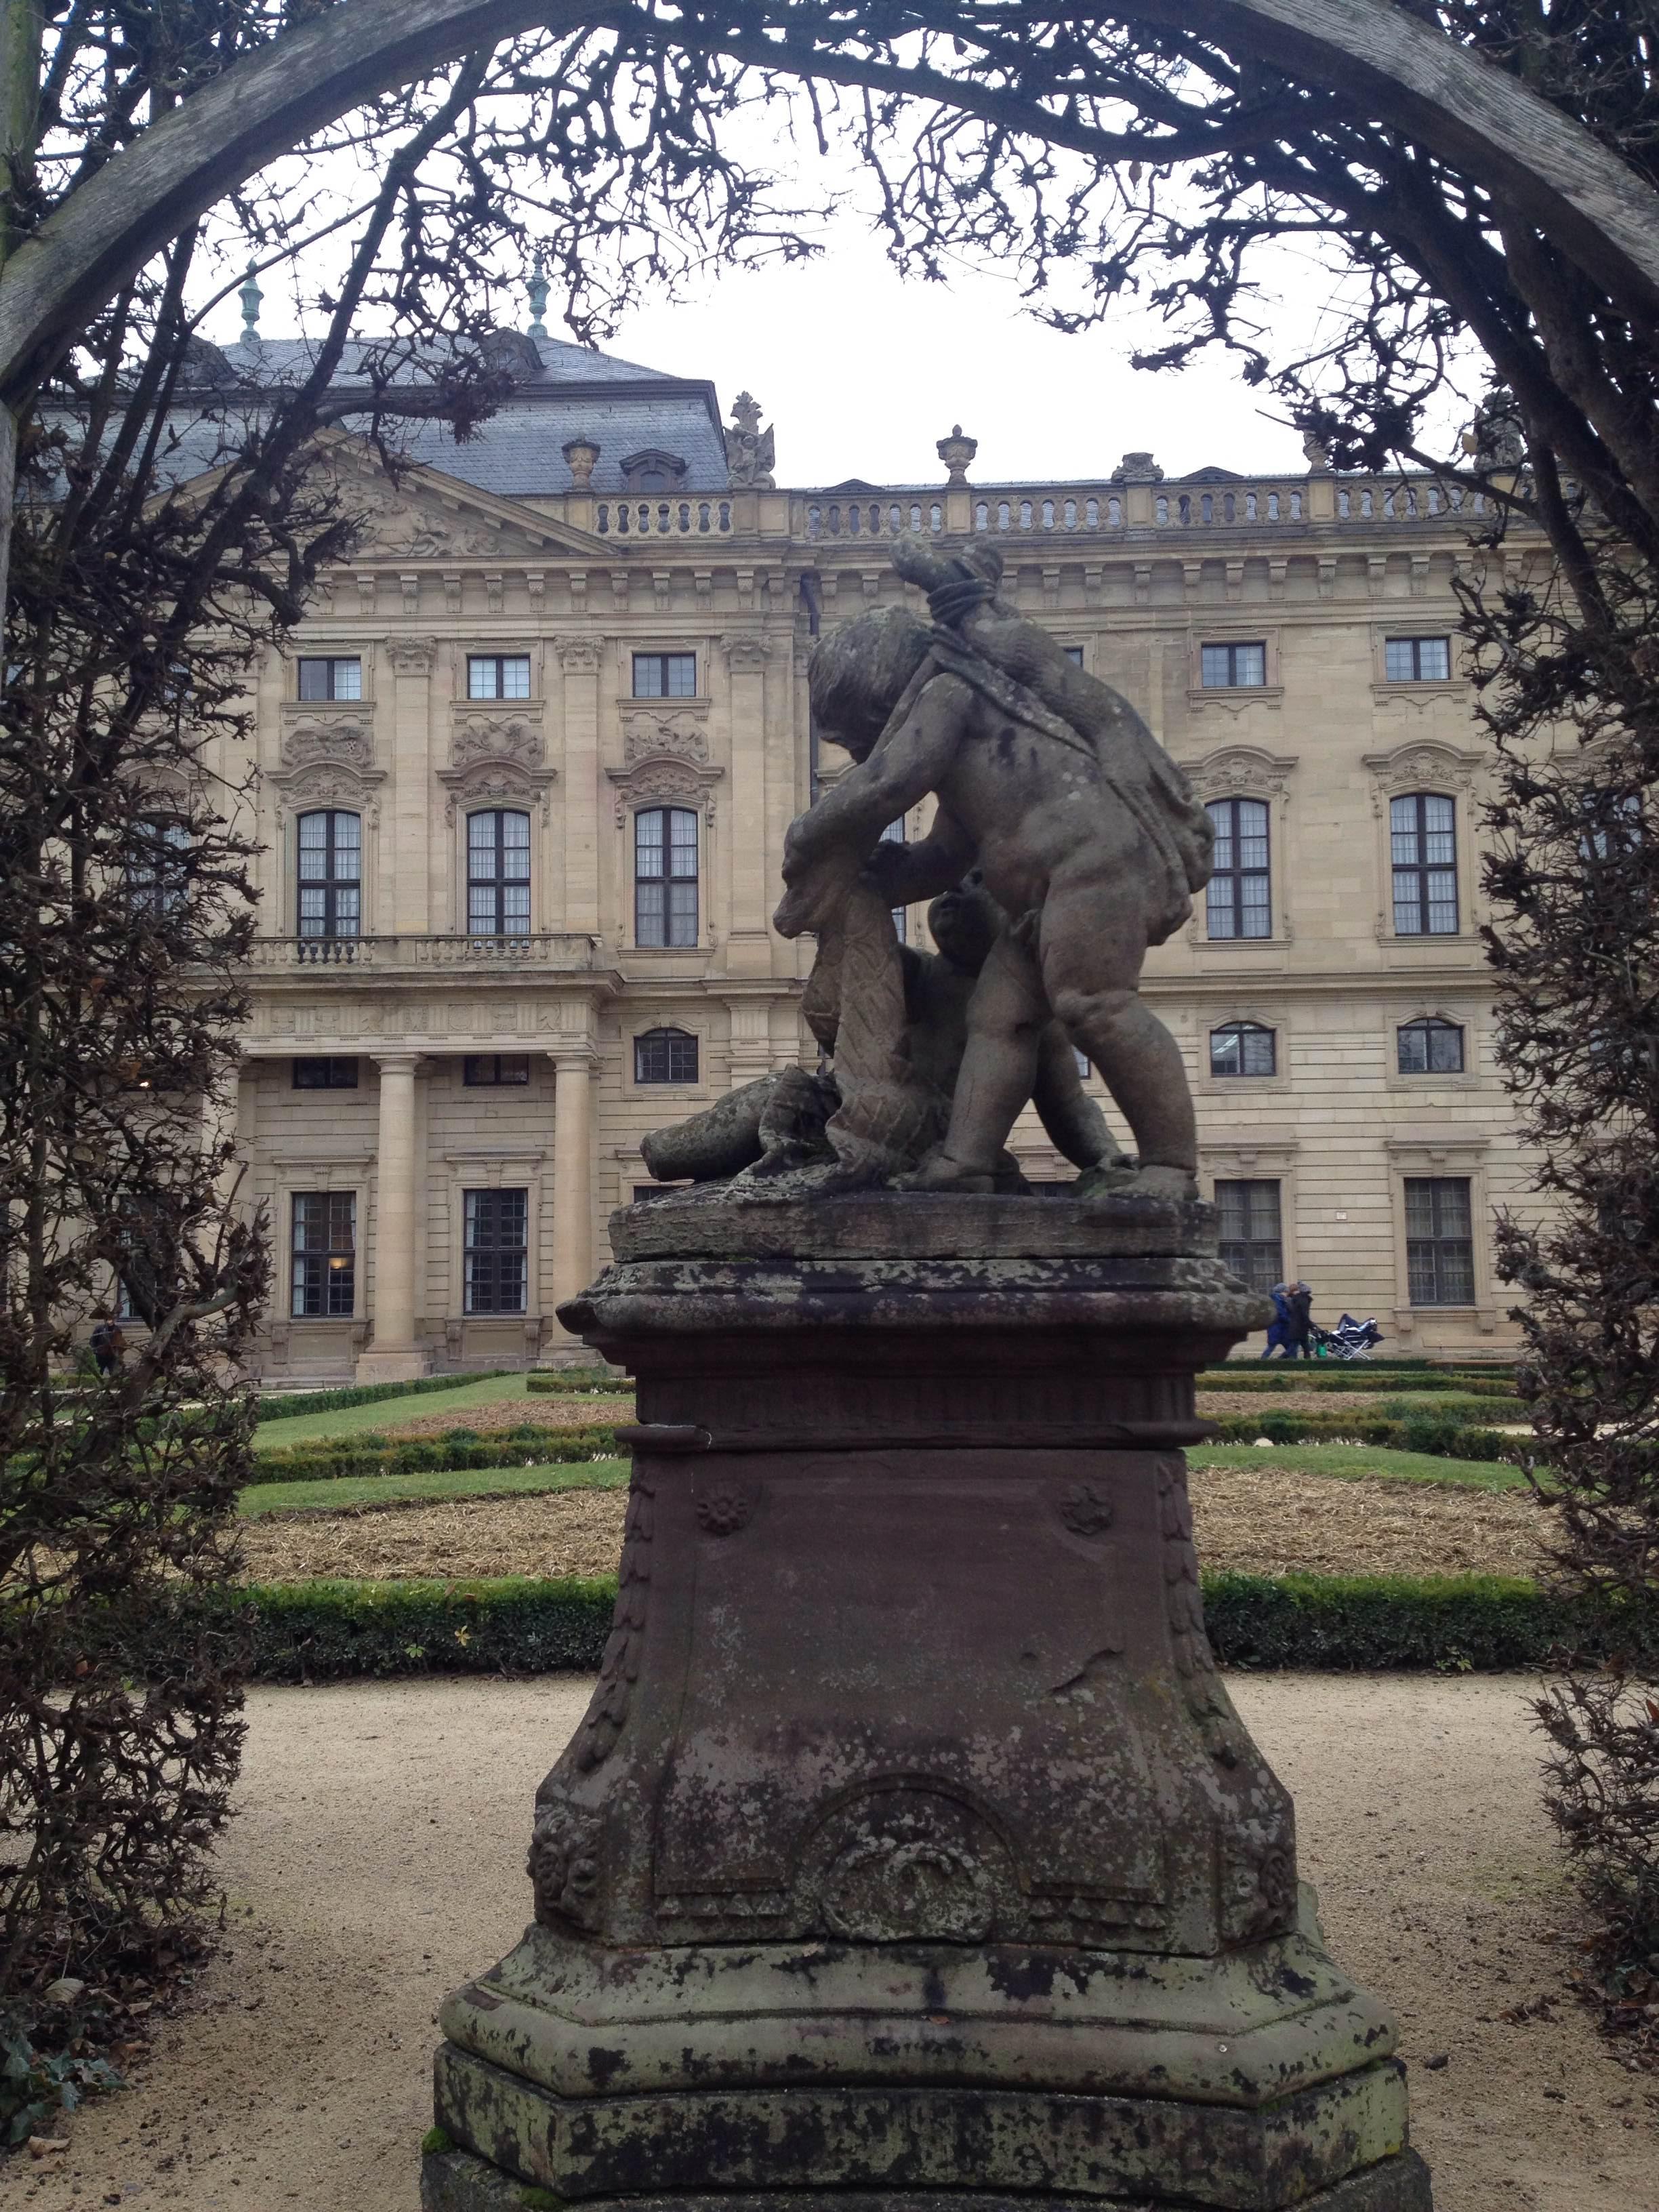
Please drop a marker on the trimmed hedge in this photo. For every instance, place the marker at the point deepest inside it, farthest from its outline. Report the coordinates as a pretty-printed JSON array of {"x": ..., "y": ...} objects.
[
  {"x": 577, "y": 1381},
  {"x": 330, "y": 1631},
  {"x": 444, "y": 1453},
  {"x": 365, "y": 1393},
  {"x": 1421, "y": 1432},
  {"x": 1321, "y": 1375}
]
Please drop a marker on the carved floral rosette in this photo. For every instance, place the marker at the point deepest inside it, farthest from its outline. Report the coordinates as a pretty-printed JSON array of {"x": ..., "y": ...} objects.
[{"x": 665, "y": 758}]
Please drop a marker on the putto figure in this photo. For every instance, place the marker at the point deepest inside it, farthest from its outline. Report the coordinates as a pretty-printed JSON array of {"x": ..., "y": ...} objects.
[{"x": 1085, "y": 831}]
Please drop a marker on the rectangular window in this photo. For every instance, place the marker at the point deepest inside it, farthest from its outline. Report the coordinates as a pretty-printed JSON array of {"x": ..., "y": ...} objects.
[
  {"x": 1423, "y": 837},
  {"x": 1233, "y": 667},
  {"x": 325, "y": 1254},
  {"x": 1238, "y": 901},
  {"x": 1439, "y": 1240},
  {"x": 1417, "y": 659},
  {"x": 664, "y": 876},
  {"x": 665, "y": 1056},
  {"x": 331, "y": 873},
  {"x": 665, "y": 674},
  {"x": 496, "y": 1255},
  {"x": 1252, "y": 1244},
  {"x": 482, "y": 1071},
  {"x": 336, "y": 679},
  {"x": 1074, "y": 654},
  {"x": 498, "y": 873},
  {"x": 329, "y": 1072},
  {"x": 498, "y": 676},
  {"x": 158, "y": 869}
]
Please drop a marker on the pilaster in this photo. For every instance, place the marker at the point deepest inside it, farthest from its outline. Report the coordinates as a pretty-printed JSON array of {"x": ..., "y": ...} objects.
[
  {"x": 573, "y": 1170},
  {"x": 405, "y": 863},
  {"x": 580, "y": 659},
  {"x": 392, "y": 1356},
  {"x": 748, "y": 951}
]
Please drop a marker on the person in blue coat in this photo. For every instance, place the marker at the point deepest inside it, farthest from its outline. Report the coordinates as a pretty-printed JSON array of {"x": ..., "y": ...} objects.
[{"x": 1278, "y": 1333}]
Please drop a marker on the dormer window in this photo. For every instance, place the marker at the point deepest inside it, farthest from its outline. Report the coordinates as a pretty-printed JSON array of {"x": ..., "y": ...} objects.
[{"x": 653, "y": 470}]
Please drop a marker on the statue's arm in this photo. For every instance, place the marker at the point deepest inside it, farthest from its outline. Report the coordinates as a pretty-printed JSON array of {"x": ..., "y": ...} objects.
[
  {"x": 1074, "y": 1122},
  {"x": 905, "y": 873},
  {"x": 905, "y": 766}
]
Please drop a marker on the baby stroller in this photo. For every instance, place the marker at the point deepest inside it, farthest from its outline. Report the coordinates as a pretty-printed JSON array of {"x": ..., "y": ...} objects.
[{"x": 1349, "y": 1339}]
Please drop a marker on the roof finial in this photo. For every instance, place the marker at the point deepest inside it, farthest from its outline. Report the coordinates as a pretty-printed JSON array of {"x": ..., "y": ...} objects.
[
  {"x": 251, "y": 296},
  {"x": 536, "y": 287}
]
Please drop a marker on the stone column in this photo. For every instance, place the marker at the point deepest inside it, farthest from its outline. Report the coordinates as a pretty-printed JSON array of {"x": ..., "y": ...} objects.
[
  {"x": 393, "y": 1355},
  {"x": 749, "y": 948},
  {"x": 405, "y": 902},
  {"x": 581, "y": 659},
  {"x": 572, "y": 1177}
]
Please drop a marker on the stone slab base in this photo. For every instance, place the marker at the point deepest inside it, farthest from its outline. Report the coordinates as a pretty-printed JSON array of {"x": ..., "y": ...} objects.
[
  {"x": 391, "y": 1366},
  {"x": 456, "y": 2181}
]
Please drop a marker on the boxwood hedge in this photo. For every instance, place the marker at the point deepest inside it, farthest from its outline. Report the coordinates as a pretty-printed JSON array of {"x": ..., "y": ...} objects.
[
  {"x": 330, "y": 1631},
  {"x": 527, "y": 1445},
  {"x": 279, "y": 1404}
]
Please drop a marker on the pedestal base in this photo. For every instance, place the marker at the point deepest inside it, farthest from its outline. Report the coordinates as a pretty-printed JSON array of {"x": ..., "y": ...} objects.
[
  {"x": 455, "y": 2181},
  {"x": 391, "y": 1366},
  {"x": 911, "y": 1846}
]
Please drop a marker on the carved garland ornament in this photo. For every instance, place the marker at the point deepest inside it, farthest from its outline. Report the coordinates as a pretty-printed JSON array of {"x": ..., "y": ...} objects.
[
  {"x": 664, "y": 757},
  {"x": 1240, "y": 772},
  {"x": 1422, "y": 765}
]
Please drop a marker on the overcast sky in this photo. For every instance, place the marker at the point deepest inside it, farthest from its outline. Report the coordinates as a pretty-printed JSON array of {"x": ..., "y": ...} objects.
[{"x": 862, "y": 374}]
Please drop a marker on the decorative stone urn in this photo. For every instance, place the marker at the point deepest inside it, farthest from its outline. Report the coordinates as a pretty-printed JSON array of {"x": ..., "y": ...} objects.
[{"x": 911, "y": 1852}]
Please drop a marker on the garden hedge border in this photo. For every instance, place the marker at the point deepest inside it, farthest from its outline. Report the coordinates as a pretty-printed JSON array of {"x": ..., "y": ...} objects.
[
  {"x": 323, "y": 1631},
  {"x": 1321, "y": 1375},
  {"x": 578, "y": 1382},
  {"x": 365, "y": 1393},
  {"x": 1444, "y": 1438},
  {"x": 438, "y": 1455}
]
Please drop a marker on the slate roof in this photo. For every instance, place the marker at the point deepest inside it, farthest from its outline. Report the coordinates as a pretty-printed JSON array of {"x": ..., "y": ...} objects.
[{"x": 622, "y": 406}]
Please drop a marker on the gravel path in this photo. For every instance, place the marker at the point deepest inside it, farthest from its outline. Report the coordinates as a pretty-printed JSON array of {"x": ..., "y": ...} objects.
[
  {"x": 1254, "y": 1520},
  {"x": 379, "y": 1861}
]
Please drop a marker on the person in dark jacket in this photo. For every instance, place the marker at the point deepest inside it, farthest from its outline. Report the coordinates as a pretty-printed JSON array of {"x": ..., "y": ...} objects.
[
  {"x": 107, "y": 1346},
  {"x": 1278, "y": 1330},
  {"x": 1301, "y": 1305}
]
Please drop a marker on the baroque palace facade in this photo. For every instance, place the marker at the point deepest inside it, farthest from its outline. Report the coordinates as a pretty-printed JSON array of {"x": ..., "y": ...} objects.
[{"x": 522, "y": 788}]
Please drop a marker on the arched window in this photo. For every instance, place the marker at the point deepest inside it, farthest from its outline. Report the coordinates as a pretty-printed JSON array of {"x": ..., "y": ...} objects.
[
  {"x": 1430, "y": 1047},
  {"x": 1423, "y": 833},
  {"x": 158, "y": 866},
  {"x": 665, "y": 876},
  {"x": 1239, "y": 902},
  {"x": 331, "y": 874},
  {"x": 665, "y": 1056},
  {"x": 498, "y": 873},
  {"x": 1244, "y": 1048}
]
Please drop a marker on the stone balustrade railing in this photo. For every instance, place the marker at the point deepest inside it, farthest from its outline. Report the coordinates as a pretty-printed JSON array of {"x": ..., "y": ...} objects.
[
  {"x": 1077, "y": 509},
  {"x": 545, "y": 948},
  {"x": 663, "y": 518}
]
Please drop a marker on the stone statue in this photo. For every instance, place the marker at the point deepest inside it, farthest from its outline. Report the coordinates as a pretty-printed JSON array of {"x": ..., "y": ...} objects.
[
  {"x": 751, "y": 452},
  {"x": 787, "y": 1127},
  {"x": 1084, "y": 830}
]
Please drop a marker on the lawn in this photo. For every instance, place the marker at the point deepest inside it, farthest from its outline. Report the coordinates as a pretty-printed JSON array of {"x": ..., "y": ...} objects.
[
  {"x": 386, "y": 1413},
  {"x": 338, "y": 1493},
  {"x": 1355, "y": 1462}
]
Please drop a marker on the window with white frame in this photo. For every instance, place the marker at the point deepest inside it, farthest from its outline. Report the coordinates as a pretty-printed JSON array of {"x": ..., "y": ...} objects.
[
  {"x": 1431, "y": 1046},
  {"x": 498, "y": 676},
  {"x": 331, "y": 675},
  {"x": 496, "y": 1255},
  {"x": 1439, "y": 1240},
  {"x": 485, "y": 1070},
  {"x": 325, "y": 1256},
  {"x": 1244, "y": 1048},
  {"x": 1229, "y": 667},
  {"x": 665, "y": 876},
  {"x": 1238, "y": 901},
  {"x": 1423, "y": 840},
  {"x": 331, "y": 873},
  {"x": 1417, "y": 659},
  {"x": 498, "y": 873}
]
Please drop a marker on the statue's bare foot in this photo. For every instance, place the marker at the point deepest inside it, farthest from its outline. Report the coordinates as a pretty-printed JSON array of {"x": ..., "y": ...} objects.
[
  {"x": 1175, "y": 1184},
  {"x": 1107, "y": 1177},
  {"x": 941, "y": 1172}
]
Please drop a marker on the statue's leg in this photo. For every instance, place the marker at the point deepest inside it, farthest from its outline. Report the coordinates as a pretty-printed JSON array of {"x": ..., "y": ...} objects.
[
  {"x": 1092, "y": 943},
  {"x": 1007, "y": 1012}
]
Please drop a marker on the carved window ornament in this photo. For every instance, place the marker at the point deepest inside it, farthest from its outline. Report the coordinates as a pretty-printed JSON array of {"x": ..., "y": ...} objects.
[
  {"x": 665, "y": 758},
  {"x": 1262, "y": 779},
  {"x": 1425, "y": 769},
  {"x": 493, "y": 780}
]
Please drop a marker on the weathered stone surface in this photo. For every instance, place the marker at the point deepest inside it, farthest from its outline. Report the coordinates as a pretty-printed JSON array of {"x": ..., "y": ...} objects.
[
  {"x": 454, "y": 2181},
  {"x": 910, "y": 1841}
]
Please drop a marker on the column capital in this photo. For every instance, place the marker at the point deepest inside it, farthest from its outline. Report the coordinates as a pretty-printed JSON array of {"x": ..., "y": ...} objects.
[
  {"x": 581, "y": 1052},
  {"x": 411, "y": 656},
  {"x": 746, "y": 652},
  {"x": 395, "y": 1063}
]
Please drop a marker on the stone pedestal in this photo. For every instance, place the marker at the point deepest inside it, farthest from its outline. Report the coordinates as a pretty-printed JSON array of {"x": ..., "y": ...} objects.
[{"x": 911, "y": 1846}]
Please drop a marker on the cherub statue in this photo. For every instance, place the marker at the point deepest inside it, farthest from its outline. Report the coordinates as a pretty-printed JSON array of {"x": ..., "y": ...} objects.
[
  {"x": 751, "y": 453},
  {"x": 1085, "y": 832},
  {"x": 785, "y": 1123}
]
